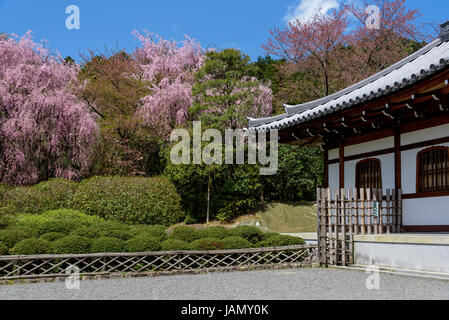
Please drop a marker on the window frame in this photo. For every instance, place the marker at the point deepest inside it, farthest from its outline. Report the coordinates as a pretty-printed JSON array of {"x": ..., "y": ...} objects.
[
  {"x": 419, "y": 170},
  {"x": 357, "y": 172}
]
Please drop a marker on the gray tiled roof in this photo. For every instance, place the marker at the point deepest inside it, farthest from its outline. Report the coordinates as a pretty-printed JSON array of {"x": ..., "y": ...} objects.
[{"x": 417, "y": 66}]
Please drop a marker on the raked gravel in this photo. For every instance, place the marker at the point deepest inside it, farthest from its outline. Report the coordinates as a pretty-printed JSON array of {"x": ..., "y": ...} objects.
[{"x": 296, "y": 284}]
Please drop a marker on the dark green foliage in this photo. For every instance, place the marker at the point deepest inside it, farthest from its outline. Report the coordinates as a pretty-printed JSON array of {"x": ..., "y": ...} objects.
[
  {"x": 252, "y": 234},
  {"x": 3, "y": 249},
  {"x": 50, "y": 195},
  {"x": 107, "y": 244},
  {"x": 300, "y": 172},
  {"x": 213, "y": 232},
  {"x": 174, "y": 245},
  {"x": 281, "y": 241},
  {"x": 231, "y": 243},
  {"x": 207, "y": 244},
  {"x": 156, "y": 231},
  {"x": 130, "y": 200},
  {"x": 11, "y": 237},
  {"x": 109, "y": 229},
  {"x": 62, "y": 226},
  {"x": 71, "y": 245},
  {"x": 142, "y": 244},
  {"x": 187, "y": 234},
  {"x": 52, "y": 236},
  {"x": 32, "y": 247},
  {"x": 27, "y": 231}
]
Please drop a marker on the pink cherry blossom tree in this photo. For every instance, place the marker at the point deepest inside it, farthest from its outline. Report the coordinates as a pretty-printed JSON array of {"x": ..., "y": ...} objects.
[
  {"x": 45, "y": 131},
  {"x": 168, "y": 69}
]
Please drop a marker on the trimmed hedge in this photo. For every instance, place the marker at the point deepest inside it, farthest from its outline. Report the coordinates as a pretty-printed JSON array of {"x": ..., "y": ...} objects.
[
  {"x": 281, "y": 241},
  {"x": 156, "y": 231},
  {"x": 62, "y": 226},
  {"x": 31, "y": 220},
  {"x": 52, "y": 236},
  {"x": 252, "y": 234},
  {"x": 49, "y": 195},
  {"x": 11, "y": 237},
  {"x": 231, "y": 243},
  {"x": 3, "y": 249},
  {"x": 174, "y": 245},
  {"x": 71, "y": 245},
  {"x": 107, "y": 244},
  {"x": 32, "y": 247},
  {"x": 207, "y": 244},
  {"x": 130, "y": 200},
  {"x": 184, "y": 233},
  {"x": 213, "y": 232},
  {"x": 142, "y": 244}
]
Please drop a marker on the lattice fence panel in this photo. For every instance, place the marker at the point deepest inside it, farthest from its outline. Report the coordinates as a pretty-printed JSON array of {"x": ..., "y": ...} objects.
[{"x": 43, "y": 266}]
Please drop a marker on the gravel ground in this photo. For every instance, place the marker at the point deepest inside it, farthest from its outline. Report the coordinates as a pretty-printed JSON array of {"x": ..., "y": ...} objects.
[{"x": 293, "y": 284}]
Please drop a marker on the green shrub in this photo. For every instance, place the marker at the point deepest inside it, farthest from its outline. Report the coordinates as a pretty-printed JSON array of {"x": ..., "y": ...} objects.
[
  {"x": 107, "y": 244},
  {"x": 174, "y": 245},
  {"x": 109, "y": 229},
  {"x": 10, "y": 237},
  {"x": 252, "y": 234},
  {"x": 207, "y": 244},
  {"x": 52, "y": 236},
  {"x": 156, "y": 231},
  {"x": 281, "y": 241},
  {"x": 213, "y": 232},
  {"x": 62, "y": 226},
  {"x": 27, "y": 231},
  {"x": 87, "y": 232},
  {"x": 59, "y": 214},
  {"x": 50, "y": 195},
  {"x": 231, "y": 243},
  {"x": 130, "y": 200},
  {"x": 187, "y": 234},
  {"x": 32, "y": 247},
  {"x": 3, "y": 249},
  {"x": 71, "y": 245},
  {"x": 142, "y": 244}
]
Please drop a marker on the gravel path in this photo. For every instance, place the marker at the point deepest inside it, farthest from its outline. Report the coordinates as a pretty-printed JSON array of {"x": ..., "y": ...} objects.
[{"x": 290, "y": 284}]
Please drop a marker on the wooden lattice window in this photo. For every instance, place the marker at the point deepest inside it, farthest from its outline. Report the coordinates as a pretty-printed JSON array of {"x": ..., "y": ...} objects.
[
  {"x": 369, "y": 174},
  {"x": 433, "y": 170}
]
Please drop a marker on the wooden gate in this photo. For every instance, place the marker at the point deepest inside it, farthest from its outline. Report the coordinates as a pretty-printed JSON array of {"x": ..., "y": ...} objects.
[{"x": 345, "y": 213}]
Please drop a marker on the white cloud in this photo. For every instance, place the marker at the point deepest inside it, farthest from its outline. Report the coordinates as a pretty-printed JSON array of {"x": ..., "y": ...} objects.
[{"x": 303, "y": 10}]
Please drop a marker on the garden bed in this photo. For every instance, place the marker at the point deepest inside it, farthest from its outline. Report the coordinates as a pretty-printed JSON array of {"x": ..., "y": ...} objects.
[{"x": 153, "y": 263}]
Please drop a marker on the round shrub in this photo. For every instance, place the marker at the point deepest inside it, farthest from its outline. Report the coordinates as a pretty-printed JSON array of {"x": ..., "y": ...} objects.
[
  {"x": 27, "y": 231},
  {"x": 142, "y": 244},
  {"x": 52, "y": 236},
  {"x": 3, "y": 249},
  {"x": 252, "y": 234},
  {"x": 184, "y": 233},
  {"x": 50, "y": 195},
  {"x": 231, "y": 243},
  {"x": 118, "y": 234},
  {"x": 71, "y": 245},
  {"x": 281, "y": 241},
  {"x": 207, "y": 244},
  {"x": 174, "y": 245},
  {"x": 32, "y": 247},
  {"x": 129, "y": 199},
  {"x": 106, "y": 244},
  {"x": 87, "y": 232},
  {"x": 213, "y": 232},
  {"x": 10, "y": 237},
  {"x": 156, "y": 231},
  {"x": 61, "y": 226}
]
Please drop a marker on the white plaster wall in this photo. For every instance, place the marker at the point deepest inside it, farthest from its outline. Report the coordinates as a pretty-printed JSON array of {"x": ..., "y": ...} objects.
[
  {"x": 426, "y": 212},
  {"x": 334, "y": 154},
  {"x": 424, "y": 135},
  {"x": 375, "y": 145},
  {"x": 334, "y": 176},
  {"x": 419, "y": 257}
]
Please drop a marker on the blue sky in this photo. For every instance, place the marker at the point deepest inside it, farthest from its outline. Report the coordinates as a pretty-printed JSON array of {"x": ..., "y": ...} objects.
[{"x": 242, "y": 24}]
